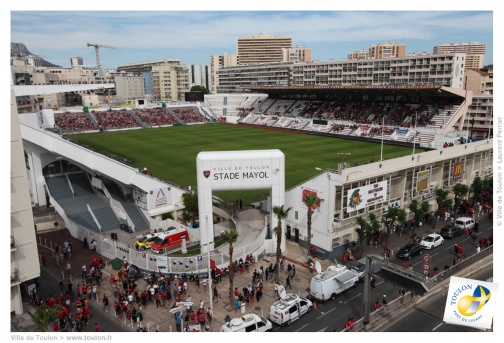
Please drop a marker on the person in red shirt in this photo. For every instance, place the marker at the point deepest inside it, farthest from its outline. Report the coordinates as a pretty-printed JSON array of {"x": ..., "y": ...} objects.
[
  {"x": 43, "y": 259},
  {"x": 55, "y": 326},
  {"x": 377, "y": 305}
]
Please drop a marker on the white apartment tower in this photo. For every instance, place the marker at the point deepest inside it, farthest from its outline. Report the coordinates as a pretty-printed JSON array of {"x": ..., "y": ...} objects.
[{"x": 199, "y": 75}]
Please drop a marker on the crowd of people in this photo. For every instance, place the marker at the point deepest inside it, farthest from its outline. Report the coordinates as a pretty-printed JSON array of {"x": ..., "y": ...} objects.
[
  {"x": 189, "y": 114},
  {"x": 114, "y": 119},
  {"x": 74, "y": 122}
]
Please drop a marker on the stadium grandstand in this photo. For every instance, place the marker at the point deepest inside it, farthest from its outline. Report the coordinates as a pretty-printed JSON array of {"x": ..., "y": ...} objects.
[{"x": 427, "y": 116}]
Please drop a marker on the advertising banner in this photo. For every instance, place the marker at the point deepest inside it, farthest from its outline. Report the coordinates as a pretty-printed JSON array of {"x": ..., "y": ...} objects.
[
  {"x": 422, "y": 180},
  {"x": 318, "y": 194},
  {"x": 159, "y": 197},
  {"x": 365, "y": 196},
  {"x": 458, "y": 169}
]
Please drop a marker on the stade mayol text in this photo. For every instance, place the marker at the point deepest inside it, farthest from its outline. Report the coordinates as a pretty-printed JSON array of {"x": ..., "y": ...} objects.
[{"x": 238, "y": 176}]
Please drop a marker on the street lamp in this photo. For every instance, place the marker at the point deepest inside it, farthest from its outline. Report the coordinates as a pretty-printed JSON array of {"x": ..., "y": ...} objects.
[{"x": 210, "y": 289}]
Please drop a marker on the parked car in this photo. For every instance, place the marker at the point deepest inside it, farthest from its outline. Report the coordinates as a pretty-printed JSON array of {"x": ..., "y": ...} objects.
[
  {"x": 145, "y": 242},
  {"x": 432, "y": 241},
  {"x": 466, "y": 222},
  {"x": 133, "y": 272},
  {"x": 410, "y": 250},
  {"x": 451, "y": 231},
  {"x": 289, "y": 308}
]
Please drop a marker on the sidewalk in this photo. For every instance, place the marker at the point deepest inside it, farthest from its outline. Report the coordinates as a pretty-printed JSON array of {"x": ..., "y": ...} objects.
[{"x": 160, "y": 318}]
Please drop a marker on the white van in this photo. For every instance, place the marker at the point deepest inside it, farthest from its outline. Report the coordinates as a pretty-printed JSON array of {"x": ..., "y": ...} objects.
[
  {"x": 289, "y": 308},
  {"x": 329, "y": 284},
  {"x": 249, "y": 322},
  {"x": 464, "y": 222}
]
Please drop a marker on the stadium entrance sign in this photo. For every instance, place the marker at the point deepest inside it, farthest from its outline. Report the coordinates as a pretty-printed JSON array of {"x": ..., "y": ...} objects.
[{"x": 237, "y": 170}]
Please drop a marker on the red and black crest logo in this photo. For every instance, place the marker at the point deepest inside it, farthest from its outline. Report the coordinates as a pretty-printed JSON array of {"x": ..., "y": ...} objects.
[{"x": 206, "y": 173}]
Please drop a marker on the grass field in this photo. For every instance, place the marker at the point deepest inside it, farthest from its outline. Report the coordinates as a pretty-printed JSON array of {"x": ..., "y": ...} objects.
[{"x": 170, "y": 153}]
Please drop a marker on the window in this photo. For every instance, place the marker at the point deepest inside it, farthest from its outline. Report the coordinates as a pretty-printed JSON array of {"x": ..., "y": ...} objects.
[
  {"x": 293, "y": 309},
  {"x": 250, "y": 328},
  {"x": 260, "y": 324}
]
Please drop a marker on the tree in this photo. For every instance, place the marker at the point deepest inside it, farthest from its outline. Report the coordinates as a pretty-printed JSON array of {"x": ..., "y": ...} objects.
[
  {"x": 390, "y": 219},
  {"x": 230, "y": 237},
  {"x": 311, "y": 201},
  {"x": 199, "y": 88},
  {"x": 477, "y": 189},
  {"x": 459, "y": 190},
  {"x": 366, "y": 229},
  {"x": 442, "y": 200},
  {"x": 190, "y": 200},
  {"x": 281, "y": 214},
  {"x": 419, "y": 210},
  {"x": 44, "y": 316}
]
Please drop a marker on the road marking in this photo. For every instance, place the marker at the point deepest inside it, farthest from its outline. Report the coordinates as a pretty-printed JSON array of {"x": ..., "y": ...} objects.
[
  {"x": 437, "y": 326},
  {"x": 353, "y": 297},
  {"x": 302, "y": 327},
  {"x": 322, "y": 330},
  {"x": 326, "y": 313}
]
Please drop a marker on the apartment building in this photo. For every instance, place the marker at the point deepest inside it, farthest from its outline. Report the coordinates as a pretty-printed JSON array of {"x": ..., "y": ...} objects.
[
  {"x": 129, "y": 86},
  {"x": 297, "y": 54},
  {"x": 216, "y": 63},
  {"x": 199, "y": 75},
  {"x": 475, "y": 52},
  {"x": 264, "y": 48},
  {"x": 170, "y": 79},
  {"x": 24, "y": 265},
  {"x": 479, "y": 118},
  {"x": 479, "y": 81},
  {"x": 387, "y": 50},
  {"x": 236, "y": 79}
]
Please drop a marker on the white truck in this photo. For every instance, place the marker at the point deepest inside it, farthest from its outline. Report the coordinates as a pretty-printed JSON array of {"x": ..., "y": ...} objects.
[{"x": 333, "y": 281}]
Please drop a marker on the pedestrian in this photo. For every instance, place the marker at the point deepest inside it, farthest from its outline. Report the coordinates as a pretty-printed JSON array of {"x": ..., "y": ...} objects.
[
  {"x": 478, "y": 249},
  {"x": 204, "y": 284},
  {"x": 384, "y": 300},
  {"x": 68, "y": 268},
  {"x": 201, "y": 318},
  {"x": 287, "y": 282},
  {"x": 105, "y": 302},
  {"x": 43, "y": 259},
  {"x": 97, "y": 327},
  {"x": 236, "y": 305},
  {"x": 373, "y": 283},
  {"x": 227, "y": 319},
  {"x": 178, "y": 321},
  {"x": 293, "y": 272},
  {"x": 209, "y": 315},
  {"x": 83, "y": 270}
]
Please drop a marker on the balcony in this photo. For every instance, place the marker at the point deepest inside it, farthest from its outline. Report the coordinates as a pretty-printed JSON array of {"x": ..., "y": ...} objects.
[{"x": 15, "y": 276}]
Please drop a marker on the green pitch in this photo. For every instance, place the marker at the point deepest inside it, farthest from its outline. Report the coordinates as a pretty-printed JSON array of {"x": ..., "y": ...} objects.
[{"x": 170, "y": 153}]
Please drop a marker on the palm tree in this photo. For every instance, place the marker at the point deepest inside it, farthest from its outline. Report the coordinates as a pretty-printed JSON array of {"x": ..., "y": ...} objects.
[
  {"x": 419, "y": 210},
  {"x": 311, "y": 201},
  {"x": 230, "y": 237},
  {"x": 281, "y": 214},
  {"x": 392, "y": 216},
  {"x": 44, "y": 316},
  {"x": 459, "y": 190},
  {"x": 443, "y": 202},
  {"x": 477, "y": 189},
  {"x": 366, "y": 229}
]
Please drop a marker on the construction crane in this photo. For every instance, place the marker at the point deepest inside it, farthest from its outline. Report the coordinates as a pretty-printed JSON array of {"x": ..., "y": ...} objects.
[{"x": 97, "y": 50}]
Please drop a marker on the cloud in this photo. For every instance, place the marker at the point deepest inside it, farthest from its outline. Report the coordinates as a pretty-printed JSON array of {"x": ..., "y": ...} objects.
[{"x": 52, "y": 31}]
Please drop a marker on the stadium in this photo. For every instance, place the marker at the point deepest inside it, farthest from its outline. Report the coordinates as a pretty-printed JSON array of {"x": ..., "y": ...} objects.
[{"x": 105, "y": 167}]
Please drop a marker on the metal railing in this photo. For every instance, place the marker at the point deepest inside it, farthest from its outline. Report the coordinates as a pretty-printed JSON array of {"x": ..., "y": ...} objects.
[{"x": 151, "y": 262}]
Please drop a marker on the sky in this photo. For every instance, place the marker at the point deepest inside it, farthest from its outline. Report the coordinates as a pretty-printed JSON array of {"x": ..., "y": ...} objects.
[{"x": 192, "y": 36}]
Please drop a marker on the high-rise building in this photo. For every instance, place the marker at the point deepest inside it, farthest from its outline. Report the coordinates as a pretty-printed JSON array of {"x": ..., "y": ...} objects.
[
  {"x": 217, "y": 62},
  {"x": 261, "y": 49},
  {"x": 475, "y": 53},
  {"x": 297, "y": 54},
  {"x": 199, "y": 75}
]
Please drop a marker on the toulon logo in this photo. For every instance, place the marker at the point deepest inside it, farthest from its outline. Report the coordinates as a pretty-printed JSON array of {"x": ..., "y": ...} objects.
[{"x": 206, "y": 173}]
